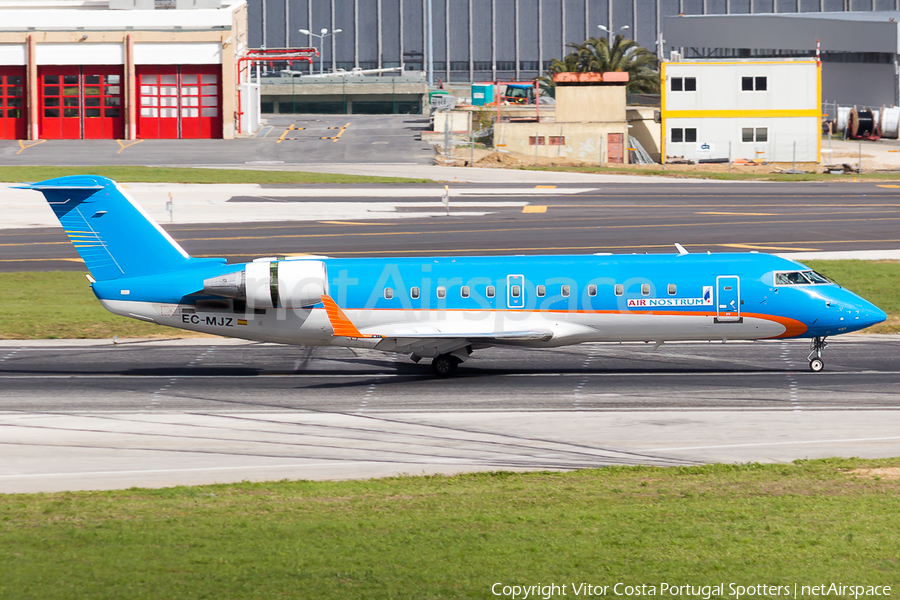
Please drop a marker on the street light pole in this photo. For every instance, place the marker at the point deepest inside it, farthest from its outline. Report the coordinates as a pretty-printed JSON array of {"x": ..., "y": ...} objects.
[
  {"x": 610, "y": 32},
  {"x": 324, "y": 34}
]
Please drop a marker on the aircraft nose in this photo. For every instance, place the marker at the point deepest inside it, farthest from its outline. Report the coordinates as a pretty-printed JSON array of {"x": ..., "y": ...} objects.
[{"x": 872, "y": 315}]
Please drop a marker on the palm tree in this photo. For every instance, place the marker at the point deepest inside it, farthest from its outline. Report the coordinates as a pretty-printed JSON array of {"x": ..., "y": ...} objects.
[{"x": 595, "y": 55}]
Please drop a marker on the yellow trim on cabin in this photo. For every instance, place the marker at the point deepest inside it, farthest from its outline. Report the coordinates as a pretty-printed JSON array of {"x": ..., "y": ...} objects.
[
  {"x": 662, "y": 112},
  {"x": 741, "y": 114},
  {"x": 748, "y": 62},
  {"x": 818, "y": 125}
]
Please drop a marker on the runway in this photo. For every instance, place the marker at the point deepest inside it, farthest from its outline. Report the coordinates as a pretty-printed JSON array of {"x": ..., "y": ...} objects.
[
  {"x": 509, "y": 219},
  {"x": 93, "y": 415}
]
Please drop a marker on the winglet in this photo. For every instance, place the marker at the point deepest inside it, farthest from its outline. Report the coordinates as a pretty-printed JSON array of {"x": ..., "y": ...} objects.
[
  {"x": 339, "y": 321},
  {"x": 680, "y": 248}
]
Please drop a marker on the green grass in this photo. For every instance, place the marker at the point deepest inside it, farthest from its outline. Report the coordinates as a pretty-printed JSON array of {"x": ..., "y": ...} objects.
[
  {"x": 188, "y": 175},
  {"x": 454, "y": 537},
  {"x": 658, "y": 171},
  {"x": 60, "y": 304}
]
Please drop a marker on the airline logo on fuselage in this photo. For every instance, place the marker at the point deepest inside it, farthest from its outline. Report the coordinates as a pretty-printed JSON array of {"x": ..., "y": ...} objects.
[{"x": 706, "y": 300}]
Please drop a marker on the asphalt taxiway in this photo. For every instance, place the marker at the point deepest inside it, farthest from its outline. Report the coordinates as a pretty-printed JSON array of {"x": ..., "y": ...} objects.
[
  {"x": 408, "y": 220},
  {"x": 93, "y": 415}
]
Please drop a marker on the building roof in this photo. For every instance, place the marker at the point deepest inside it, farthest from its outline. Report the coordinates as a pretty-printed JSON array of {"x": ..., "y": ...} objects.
[
  {"x": 870, "y": 31},
  {"x": 67, "y": 15}
]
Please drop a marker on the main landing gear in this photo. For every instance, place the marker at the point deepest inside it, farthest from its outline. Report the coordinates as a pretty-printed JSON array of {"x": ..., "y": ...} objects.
[
  {"x": 816, "y": 346},
  {"x": 444, "y": 365}
]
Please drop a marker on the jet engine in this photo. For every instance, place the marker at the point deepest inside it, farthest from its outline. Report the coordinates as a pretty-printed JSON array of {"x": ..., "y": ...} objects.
[{"x": 273, "y": 284}]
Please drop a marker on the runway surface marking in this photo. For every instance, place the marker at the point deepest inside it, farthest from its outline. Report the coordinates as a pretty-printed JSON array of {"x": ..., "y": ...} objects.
[
  {"x": 123, "y": 146},
  {"x": 24, "y": 147},
  {"x": 148, "y": 471},
  {"x": 424, "y": 375},
  {"x": 755, "y": 445}
]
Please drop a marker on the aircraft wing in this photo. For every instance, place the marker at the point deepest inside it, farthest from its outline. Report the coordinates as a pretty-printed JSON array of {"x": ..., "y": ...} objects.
[{"x": 408, "y": 337}]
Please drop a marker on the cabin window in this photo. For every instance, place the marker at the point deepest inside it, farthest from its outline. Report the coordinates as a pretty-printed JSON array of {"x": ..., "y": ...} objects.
[
  {"x": 672, "y": 289},
  {"x": 592, "y": 290},
  {"x": 490, "y": 291},
  {"x": 464, "y": 291},
  {"x": 541, "y": 291},
  {"x": 754, "y": 84},
  {"x": 388, "y": 293},
  {"x": 441, "y": 292},
  {"x": 414, "y": 293},
  {"x": 516, "y": 291},
  {"x": 620, "y": 289},
  {"x": 684, "y": 84},
  {"x": 645, "y": 289},
  {"x": 565, "y": 291}
]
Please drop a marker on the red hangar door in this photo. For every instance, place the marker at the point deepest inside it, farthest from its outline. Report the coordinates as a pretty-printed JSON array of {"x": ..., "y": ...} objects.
[
  {"x": 179, "y": 101},
  {"x": 12, "y": 103},
  {"x": 80, "y": 102}
]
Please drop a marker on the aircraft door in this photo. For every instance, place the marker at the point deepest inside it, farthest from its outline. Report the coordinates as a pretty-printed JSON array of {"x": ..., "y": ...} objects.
[
  {"x": 728, "y": 299},
  {"x": 515, "y": 291}
]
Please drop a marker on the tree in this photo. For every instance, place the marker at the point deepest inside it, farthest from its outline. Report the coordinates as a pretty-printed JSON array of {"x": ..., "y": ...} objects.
[{"x": 594, "y": 55}]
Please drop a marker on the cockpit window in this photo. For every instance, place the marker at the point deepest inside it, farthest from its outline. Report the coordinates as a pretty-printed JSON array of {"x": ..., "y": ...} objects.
[
  {"x": 799, "y": 278},
  {"x": 816, "y": 277}
]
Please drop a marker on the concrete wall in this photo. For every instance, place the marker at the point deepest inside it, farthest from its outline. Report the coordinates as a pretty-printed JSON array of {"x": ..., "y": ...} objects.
[
  {"x": 590, "y": 103},
  {"x": 583, "y": 141}
]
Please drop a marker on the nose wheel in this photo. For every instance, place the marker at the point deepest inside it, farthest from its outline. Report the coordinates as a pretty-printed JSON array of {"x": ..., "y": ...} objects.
[{"x": 816, "y": 346}]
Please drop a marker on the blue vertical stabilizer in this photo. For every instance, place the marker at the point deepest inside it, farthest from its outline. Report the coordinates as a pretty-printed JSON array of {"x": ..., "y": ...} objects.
[{"x": 111, "y": 232}]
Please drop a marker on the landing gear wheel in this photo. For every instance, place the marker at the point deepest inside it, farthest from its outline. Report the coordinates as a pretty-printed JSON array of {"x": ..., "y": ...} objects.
[
  {"x": 816, "y": 346},
  {"x": 444, "y": 365}
]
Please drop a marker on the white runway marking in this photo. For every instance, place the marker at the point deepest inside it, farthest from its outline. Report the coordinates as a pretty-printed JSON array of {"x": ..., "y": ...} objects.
[{"x": 761, "y": 444}]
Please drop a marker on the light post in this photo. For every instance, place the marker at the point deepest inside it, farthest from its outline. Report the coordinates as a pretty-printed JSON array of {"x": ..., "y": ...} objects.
[
  {"x": 324, "y": 34},
  {"x": 610, "y": 32}
]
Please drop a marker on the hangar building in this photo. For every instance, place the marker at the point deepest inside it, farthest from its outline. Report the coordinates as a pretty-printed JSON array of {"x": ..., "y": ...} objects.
[
  {"x": 479, "y": 40},
  {"x": 119, "y": 69}
]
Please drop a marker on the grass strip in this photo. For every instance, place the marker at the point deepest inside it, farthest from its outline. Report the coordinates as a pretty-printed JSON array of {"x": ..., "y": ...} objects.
[
  {"x": 60, "y": 304},
  {"x": 733, "y": 176},
  {"x": 810, "y": 522},
  {"x": 128, "y": 174}
]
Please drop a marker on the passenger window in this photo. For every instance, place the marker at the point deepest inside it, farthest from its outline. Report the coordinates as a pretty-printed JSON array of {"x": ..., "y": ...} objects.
[
  {"x": 592, "y": 290},
  {"x": 441, "y": 292},
  {"x": 541, "y": 291},
  {"x": 414, "y": 293},
  {"x": 464, "y": 291},
  {"x": 516, "y": 291},
  {"x": 672, "y": 289},
  {"x": 645, "y": 289},
  {"x": 388, "y": 293},
  {"x": 620, "y": 289},
  {"x": 490, "y": 291},
  {"x": 565, "y": 291}
]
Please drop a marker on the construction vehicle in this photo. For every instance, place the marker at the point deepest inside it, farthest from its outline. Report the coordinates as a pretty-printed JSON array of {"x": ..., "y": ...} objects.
[{"x": 519, "y": 93}]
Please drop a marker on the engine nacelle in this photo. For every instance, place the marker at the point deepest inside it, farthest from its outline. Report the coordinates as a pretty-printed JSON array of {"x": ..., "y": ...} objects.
[{"x": 273, "y": 284}]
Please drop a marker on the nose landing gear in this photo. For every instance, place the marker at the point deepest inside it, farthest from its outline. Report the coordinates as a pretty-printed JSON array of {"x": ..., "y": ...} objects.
[{"x": 816, "y": 346}]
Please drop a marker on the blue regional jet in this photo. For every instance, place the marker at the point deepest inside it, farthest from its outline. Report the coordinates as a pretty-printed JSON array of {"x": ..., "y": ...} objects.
[{"x": 444, "y": 308}]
